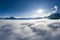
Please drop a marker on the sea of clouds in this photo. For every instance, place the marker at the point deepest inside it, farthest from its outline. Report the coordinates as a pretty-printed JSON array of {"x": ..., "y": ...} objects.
[{"x": 43, "y": 29}]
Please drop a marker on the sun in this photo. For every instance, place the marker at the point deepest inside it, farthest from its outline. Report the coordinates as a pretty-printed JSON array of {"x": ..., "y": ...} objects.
[{"x": 40, "y": 11}]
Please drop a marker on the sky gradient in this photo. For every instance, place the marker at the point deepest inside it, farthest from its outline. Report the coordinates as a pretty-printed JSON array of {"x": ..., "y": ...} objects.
[{"x": 25, "y": 7}]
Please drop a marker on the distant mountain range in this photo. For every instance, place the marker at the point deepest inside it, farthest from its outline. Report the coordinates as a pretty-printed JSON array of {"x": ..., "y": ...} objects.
[
  {"x": 52, "y": 16},
  {"x": 13, "y": 18}
]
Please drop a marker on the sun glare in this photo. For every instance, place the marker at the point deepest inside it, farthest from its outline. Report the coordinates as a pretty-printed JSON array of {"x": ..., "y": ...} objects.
[{"x": 40, "y": 11}]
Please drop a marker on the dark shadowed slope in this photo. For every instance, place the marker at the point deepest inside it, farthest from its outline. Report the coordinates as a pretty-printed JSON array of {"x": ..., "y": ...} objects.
[{"x": 54, "y": 16}]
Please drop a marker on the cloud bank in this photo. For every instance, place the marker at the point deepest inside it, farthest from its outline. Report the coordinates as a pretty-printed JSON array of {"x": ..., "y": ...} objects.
[{"x": 43, "y": 29}]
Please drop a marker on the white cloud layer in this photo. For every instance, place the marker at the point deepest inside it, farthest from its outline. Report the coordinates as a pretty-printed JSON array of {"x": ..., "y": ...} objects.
[{"x": 43, "y": 29}]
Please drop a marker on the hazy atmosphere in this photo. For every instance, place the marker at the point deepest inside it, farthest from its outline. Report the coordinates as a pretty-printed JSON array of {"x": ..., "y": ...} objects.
[{"x": 29, "y": 19}]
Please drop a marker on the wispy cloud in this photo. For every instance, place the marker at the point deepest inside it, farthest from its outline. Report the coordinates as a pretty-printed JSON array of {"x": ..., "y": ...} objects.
[{"x": 54, "y": 10}]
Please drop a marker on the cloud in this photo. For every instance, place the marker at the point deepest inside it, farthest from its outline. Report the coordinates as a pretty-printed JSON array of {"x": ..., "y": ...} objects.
[
  {"x": 30, "y": 29},
  {"x": 55, "y": 9}
]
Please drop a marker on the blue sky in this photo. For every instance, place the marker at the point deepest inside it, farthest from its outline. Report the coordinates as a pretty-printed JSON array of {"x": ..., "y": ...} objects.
[{"x": 25, "y": 7}]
